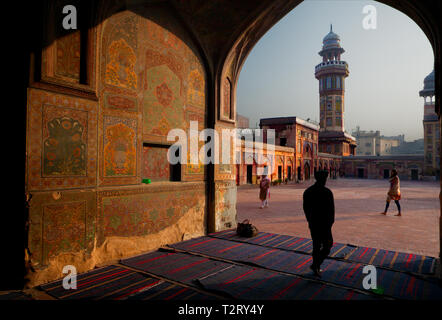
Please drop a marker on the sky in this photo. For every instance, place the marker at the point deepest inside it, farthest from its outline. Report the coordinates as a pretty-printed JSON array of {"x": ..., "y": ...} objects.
[{"x": 387, "y": 67}]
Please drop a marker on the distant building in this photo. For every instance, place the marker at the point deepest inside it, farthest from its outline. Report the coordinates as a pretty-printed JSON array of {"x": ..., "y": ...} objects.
[
  {"x": 242, "y": 122},
  {"x": 431, "y": 129},
  {"x": 409, "y": 147},
  {"x": 371, "y": 143},
  {"x": 368, "y": 142},
  {"x": 409, "y": 167},
  {"x": 377, "y": 155},
  {"x": 387, "y": 143}
]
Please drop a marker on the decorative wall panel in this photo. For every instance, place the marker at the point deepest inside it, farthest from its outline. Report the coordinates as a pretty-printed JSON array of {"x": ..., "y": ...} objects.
[
  {"x": 119, "y": 46},
  {"x": 120, "y": 149},
  {"x": 146, "y": 210},
  {"x": 62, "y": 141},
  {"x": 227, "y": 98},
  {"x": 120, "y": 78},
  {"x": 155, "y": 164},
  {"x": 61, "y": 224},
  {"x": 225, "y": 205},
  {"x": 68, "y": 55},
  {"x": 223, "y": 170},
  {"x": 195, "y": 171},
  {"x": 61, "y": 59},
  {"x": 174, "y": 83},
  {"x": 67, "y": 58},
  {"x": 119, "y": 102},
  {"x": 163, "y": 104}
]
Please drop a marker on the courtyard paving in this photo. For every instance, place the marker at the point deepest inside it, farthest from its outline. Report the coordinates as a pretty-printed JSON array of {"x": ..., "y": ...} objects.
[{"x": 358, "y": 203}]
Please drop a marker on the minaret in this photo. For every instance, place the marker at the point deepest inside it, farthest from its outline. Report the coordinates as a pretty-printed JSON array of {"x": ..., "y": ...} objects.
[
  {"x": 431, "y": 128},
  {"x": 331, "y": 73}
]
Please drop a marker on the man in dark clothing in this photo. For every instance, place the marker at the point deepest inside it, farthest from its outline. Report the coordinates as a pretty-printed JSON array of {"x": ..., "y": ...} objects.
[{"x": 319, "y": 209}]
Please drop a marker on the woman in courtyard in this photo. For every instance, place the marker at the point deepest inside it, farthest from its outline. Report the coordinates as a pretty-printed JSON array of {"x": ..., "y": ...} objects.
[
  {"x": 394, "y": 193},
  {"x": 264, "y": 191}
]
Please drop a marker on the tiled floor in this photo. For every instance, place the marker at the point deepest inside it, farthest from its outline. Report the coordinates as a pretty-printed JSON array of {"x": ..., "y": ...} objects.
[{"x": 358, "y": 221}]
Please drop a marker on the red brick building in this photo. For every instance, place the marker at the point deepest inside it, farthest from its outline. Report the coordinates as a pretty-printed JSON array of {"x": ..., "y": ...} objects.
[
  {"x": 300, "y": 135},
  {"x": 278, "y": 165}
]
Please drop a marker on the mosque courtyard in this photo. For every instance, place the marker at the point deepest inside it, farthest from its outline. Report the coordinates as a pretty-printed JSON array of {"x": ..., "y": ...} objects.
[{"x": 358, "y": 203}]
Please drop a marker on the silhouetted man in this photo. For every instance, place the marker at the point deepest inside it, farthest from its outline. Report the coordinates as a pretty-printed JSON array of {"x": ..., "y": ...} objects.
[{"x": 319, "y": 209}]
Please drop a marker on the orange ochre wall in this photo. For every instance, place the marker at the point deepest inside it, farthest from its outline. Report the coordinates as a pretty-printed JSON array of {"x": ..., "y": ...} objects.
[{"x": 85, "y": 158}]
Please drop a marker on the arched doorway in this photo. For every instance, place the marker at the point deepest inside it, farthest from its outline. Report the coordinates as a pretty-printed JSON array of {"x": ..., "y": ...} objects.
[
  {"x": 290, "y": 169},
  {"x": 222, "y": 55},
  {"x": 418, "y": 14},
  {"x": 306, "y": 171}
]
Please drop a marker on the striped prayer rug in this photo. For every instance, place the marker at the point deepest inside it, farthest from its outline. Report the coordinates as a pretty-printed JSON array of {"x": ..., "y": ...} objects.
[
  {"x": 285, "y": 242},
  {"x": 118, "y": 283},
  {"x": 395, "y": 284},
  {"x": 406, "y": 262},
  {"x": 242, "y": 282},
  {"x": 272, "y": 258},
  {"x": 344, "y": 273},
  {"x": 382, "y": 258},
  {"x": 193, "y": 269},
  {"x": 14, "y": 295},
  {"x": 180, "y": 267}
]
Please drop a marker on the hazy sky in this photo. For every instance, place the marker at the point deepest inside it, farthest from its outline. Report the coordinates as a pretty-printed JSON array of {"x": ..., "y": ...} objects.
[{"x": 387, "y": 68}]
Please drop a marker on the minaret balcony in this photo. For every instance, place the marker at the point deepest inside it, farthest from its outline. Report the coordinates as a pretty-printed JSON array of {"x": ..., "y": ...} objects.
[{"x": 332, "y": 64}]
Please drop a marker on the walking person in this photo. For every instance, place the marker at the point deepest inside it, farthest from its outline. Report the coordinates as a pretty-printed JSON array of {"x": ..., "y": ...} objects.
[
  {"x": 394, "y": 193},
  {"x": 264, "y": 191},
  {"x": 319, "y": 209}
]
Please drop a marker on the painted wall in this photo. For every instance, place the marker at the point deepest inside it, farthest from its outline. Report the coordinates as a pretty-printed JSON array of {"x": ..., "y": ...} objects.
[{"x": 87, "y": 152}]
